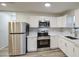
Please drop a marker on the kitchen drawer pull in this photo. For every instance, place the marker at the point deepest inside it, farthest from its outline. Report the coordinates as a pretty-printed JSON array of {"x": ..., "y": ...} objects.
[
  {"x": 66, "y": 44},
  {"x": 73, "y": 50}
]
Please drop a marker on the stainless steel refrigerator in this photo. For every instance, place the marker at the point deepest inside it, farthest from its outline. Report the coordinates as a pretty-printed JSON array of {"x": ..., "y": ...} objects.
[{"x": 17, "y": 38}]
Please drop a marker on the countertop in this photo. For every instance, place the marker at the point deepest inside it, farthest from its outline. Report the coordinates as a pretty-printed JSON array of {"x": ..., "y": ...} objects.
[{"x": 32, "y": 34}]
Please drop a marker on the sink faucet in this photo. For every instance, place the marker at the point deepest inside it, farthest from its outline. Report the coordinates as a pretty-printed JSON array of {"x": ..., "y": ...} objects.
[{"x": 75, "y": 32}]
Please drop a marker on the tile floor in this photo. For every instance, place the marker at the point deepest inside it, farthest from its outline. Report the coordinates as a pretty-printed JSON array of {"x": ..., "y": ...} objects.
[{"x": 44, "y": 52}]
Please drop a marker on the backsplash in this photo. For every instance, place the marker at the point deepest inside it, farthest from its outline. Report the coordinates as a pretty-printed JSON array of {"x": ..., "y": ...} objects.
[{"x": 61, "y": 31}]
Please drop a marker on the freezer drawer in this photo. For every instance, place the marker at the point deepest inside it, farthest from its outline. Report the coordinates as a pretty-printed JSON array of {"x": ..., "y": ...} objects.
[{"x": 17, "y": 44}]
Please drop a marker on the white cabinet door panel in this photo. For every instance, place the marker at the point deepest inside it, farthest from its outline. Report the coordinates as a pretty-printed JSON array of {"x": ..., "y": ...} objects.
[
  {"x": 76, "y": 18},
  {"x": 31, "y": 44},
  {"x": 53, "y": 42}
]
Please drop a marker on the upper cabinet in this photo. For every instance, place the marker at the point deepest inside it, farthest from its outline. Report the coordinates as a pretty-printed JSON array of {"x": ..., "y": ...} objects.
[
  {"x": 64, "y": 21},
  {"x": 33, "y": 21},
  {"x": 24, "y": 17},
  {"x": 53, "y": 22},
  {"x": 61, "y": 21},
  {"x": 58, "y": 21},
  {"x": 70, "y": 21},
  {"x": 76, "y": 13}
]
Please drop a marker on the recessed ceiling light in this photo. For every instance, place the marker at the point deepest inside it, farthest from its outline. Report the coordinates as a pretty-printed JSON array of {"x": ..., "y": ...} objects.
[
  {"x": 47, "y": 4},
  {"x": 3, "y": 4}
]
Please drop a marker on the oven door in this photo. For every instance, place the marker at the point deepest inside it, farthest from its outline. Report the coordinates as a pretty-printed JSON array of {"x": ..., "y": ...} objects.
[{"x": 43, "y": 43}]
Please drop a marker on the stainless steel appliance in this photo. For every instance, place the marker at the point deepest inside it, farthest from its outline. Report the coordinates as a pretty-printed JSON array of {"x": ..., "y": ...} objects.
[
  {"x": 43, "y": 43},
  {"x": 43, "y": 39},
  {"x": 17, "y": 38},
  {"x": 44, "y": 24}
]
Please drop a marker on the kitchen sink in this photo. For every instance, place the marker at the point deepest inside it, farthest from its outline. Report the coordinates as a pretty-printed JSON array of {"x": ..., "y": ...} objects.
[{"x": 70, "y": 37}]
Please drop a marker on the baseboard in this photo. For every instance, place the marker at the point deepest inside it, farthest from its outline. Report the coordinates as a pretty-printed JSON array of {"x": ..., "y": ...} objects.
[{"x": 3, "y": 47}]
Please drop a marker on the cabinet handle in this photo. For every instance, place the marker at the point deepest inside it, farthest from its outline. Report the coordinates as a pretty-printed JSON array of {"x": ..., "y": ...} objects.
[
  {"x": 73, "y": 50},
  {"x": 66, "y": 44}
]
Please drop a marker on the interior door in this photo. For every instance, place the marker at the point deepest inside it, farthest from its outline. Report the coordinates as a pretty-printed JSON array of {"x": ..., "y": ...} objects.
[{"x": 4, "y": 18}]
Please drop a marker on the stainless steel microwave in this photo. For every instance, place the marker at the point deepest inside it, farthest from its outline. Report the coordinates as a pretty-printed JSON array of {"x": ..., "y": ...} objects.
[{"x": 44, "y": 24}]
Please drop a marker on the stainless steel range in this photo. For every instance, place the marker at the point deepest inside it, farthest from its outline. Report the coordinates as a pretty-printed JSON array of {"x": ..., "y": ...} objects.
[{"x": 43, "y": 37}]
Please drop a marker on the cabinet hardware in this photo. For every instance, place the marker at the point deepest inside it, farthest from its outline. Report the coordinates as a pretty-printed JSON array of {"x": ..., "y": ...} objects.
[
  {"x": 73, "y": 50},
  {"x": 66, "y": 44}
]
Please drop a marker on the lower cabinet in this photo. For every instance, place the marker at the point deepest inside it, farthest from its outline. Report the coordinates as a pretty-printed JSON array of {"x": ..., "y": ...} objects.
[
  {"x": 66, "y": 47},
  {"x": 69, "y": 48},
  {"x": 61, "y": 44},
  {"x": 53, "y": 42},
  {"x": 75, "y": 51},
  {"x": 32, "y": 44}
]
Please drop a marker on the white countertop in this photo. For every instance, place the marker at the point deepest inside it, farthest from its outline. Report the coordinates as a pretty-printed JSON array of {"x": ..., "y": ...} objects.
[{"x": 32, "y": 34}]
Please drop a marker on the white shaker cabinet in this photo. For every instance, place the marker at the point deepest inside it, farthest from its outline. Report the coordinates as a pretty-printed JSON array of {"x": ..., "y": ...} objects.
[
  {"x": 68, "y": 47},
  {"x": 61, "y": 43},
  {"x": 61, "y": 21},
  {"x": 53, "y": 42},
  {"x": 72, "y": 50},
  {"x": 32, "y": 44},
  {"x": 76, "y": 13},
  {"x": 24, "y": 17},
  {"x": 75, "y": 51},
  {"x": 64, "y": 18},
  {"x": 70, "y": 21},
  {"x": 53, "y": 22},
  {"x": 34, "y": 21}
]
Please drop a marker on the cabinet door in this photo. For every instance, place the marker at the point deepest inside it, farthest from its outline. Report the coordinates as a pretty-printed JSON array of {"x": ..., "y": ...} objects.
[
  {"x": 66, "y": 47},
  {"x": 61, "y": 43},
  {"x": 61, "y": 21},
  {"x": 69, "y": 49},
  {"x": 53, "y": 42},
  {"x": 58, "y": 22},
  {"x": 53, "y": 22},
  {"x": 77, "y": 18},
  {"x": 31, "y": 44},
  {"x": 70, "y": 21},
  {"x": 33, "y": 21},
  {"x": 64, "y": 21},
  {"x": 75, "y": 51}
]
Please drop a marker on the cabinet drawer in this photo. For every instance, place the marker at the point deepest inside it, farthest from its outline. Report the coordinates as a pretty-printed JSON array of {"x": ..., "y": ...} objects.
[{"x": 53, "y": 42}]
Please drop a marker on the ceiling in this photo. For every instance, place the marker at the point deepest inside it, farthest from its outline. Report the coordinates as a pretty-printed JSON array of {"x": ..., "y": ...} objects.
[{"x": 56, "y": 7}]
